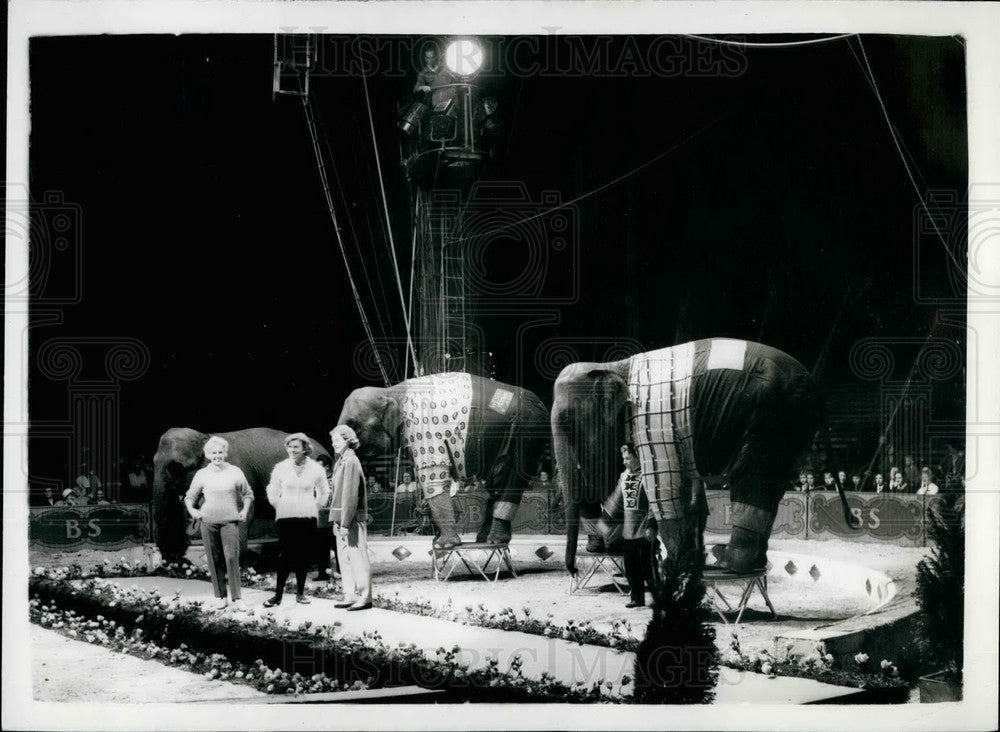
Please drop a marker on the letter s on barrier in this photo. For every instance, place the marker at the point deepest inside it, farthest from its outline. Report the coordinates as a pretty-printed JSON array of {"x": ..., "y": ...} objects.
[
  {"x": 95, "y": 528},
  {"x": 874, "y": 521}
]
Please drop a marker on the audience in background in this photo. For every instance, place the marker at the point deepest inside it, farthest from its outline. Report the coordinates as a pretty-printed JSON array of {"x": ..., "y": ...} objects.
[
  {"x": 927, "y": 485},
  {"x": 911, "y": 473},
  {"x": 408, "y": 484},
  {"x": 898, "y": 484},
  {"x": 87, "y": 481}
]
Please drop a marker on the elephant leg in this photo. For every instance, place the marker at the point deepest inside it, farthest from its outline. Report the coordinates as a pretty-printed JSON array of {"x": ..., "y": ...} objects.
[
  {"x": 504, "y": 501},
  {"x": 443, "y": 512},
  {"x": 504, "y": 511},
  {"x": 756, "y": 488},
  {"x": 678, "y": 537},
  {"x": 487, "y": 523},
  {"x": 590, "y": 517}
]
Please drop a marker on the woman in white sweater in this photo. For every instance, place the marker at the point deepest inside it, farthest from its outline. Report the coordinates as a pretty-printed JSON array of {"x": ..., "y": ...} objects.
[
  {"x": 227, "y": 500},
  {"x": 298, "y": 487}
]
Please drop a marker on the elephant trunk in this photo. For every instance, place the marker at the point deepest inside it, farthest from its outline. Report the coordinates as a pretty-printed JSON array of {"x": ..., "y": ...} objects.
[{"x": 572, "y": 531}]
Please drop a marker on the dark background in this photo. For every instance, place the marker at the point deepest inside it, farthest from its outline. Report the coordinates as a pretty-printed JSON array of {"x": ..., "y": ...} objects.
[{"x": 783, "y": 213}]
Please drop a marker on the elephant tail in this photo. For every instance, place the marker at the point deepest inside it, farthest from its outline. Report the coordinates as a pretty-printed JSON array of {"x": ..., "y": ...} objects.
[
  {"x": 828, "y": 447},
  {"x": 848, "y": 518}
]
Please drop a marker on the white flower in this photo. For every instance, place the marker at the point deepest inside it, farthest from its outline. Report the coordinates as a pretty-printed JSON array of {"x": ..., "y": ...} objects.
[
  {"x": 885, "y": 664},
  {"x": 765, "y": 668},
  {"x": 861, "y": 658}
]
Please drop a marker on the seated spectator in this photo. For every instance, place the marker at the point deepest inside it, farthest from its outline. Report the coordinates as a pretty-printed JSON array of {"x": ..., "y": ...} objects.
[
  {"x": 68, "y": 498},
  {"x": 100, "y": 500},
  {"x": 880, "y": 486},
  {"x": 408, "y": 484},
  {"x": 82, "y": 498},
  {"x": 138, "y": 484},
  {"x": 898, "y": 485},
  {"x": 927, "y": 485},
  {"x": 373, "y": 485},
  {"x": 842, "y": 479},
  {"x": 828, "y": 482},
  {"x": 911, "y": 473},
  {"x": 541, "y": 482},
  {"x": 855, "y": 482},
  {"x": 87, "y": 482},
  {"x": 810, "y": 485},
  {"x": 801, "y": 484},
  {"x": 544, "y": 484},
  {"x": 48, "y": 498}
]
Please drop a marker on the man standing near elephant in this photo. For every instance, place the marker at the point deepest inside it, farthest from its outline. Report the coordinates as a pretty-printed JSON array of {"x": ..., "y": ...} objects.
[{"x": 629, "y": 507}]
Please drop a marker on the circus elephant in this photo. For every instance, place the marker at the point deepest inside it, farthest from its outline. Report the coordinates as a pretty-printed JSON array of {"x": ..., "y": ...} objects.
[
  {"x": 717, "y": 407},
  {"x": 179, "y": 455},
  {"x": 456, "y": 426}
]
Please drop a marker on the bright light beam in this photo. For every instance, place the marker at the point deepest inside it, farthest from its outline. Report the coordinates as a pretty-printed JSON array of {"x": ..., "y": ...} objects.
[{"x": 464, "y": 57}]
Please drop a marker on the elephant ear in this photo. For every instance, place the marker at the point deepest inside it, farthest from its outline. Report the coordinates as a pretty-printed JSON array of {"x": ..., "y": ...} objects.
[
  {"x": 392, "y": 419},
  {"x": 597, "y": 428}
]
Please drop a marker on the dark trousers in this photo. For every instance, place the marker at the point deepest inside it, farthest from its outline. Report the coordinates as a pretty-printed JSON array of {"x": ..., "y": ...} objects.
[
  {"x": 325, "y": 543},
  {"x": 295, "y": 543},
  {"x": 638, "y": 557},
  {"x": 222, "y": 550}
]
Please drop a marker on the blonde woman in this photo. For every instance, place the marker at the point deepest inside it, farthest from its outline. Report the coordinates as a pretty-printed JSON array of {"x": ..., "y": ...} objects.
[
  {"x": 297, "y": 489},
  {"x": 227, "y": 500},
  {"x": 349, "y": 516}
]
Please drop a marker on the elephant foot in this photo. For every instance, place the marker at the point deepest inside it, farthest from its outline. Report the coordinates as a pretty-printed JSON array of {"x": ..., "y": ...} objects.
[
  {"x": 500, "y": 532},
  {"x": 447, "y": 542},
  {"x": 443, "y": 513},
  {"x": 745, "y": 552},
  {"x": 595, "y": 543},
  {"x": 484, "y": 531}
]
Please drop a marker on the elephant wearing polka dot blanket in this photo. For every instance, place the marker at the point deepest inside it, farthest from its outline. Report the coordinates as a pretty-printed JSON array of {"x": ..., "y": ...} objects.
[{"x": 456, "y": 426}]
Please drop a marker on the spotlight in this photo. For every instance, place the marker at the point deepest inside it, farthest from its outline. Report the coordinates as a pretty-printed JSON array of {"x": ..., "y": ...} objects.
[
  {"x": 464, "y": 57},
  {"x": 408, "y": 121}
]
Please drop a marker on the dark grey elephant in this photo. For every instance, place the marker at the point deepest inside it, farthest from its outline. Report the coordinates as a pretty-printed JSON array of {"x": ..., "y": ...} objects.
[
  {"x": 456, "y": 426},
  {"x": 180, "y": 454},
  {"x": 713, "y": 407}
]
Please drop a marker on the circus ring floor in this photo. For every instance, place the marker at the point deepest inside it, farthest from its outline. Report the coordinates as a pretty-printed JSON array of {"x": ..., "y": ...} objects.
[
  {"x": 841, "y": 594},
  {"x": 820, "y": 590}
]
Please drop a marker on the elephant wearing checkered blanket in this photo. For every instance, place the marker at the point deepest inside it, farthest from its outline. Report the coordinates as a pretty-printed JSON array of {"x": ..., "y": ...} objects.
[{"x": 713, "y": 408}]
